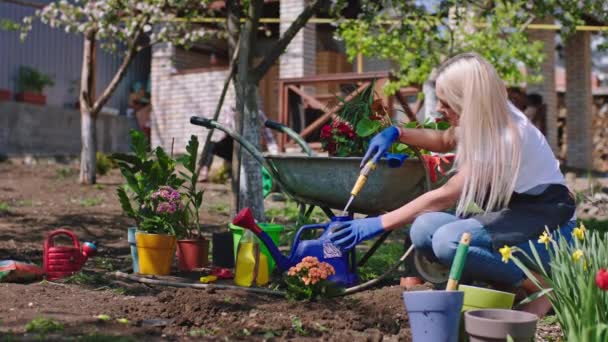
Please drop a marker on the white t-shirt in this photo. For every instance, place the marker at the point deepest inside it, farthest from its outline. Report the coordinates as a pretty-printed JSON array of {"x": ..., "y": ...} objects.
[{"x": 538, "y": 163}]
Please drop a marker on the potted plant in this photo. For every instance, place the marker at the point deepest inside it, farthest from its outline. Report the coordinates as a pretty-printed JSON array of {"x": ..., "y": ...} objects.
[
  {"x": 192, "y": 247},
  {"x": 149, "y": 196},
  {"x": 5, "y": 95},
  {"x": 30, "y": 84}
]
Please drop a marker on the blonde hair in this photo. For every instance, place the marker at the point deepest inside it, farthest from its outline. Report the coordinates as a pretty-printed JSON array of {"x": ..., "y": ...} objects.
[{"x": 489, "y": 144}]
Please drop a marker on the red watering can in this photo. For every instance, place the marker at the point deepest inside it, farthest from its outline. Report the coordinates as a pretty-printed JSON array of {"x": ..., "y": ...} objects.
[{"x": 63, "y": 261}]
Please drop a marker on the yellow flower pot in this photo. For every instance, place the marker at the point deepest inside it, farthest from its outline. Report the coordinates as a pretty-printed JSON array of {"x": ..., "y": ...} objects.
[{"x": 156, "y": 253}]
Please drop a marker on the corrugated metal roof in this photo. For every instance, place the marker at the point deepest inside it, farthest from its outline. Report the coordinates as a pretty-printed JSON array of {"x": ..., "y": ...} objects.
[{"x": 59, "y": 54}]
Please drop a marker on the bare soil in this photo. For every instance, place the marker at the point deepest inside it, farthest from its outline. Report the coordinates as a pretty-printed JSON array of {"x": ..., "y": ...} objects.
[{"x": 35, "y": 199}]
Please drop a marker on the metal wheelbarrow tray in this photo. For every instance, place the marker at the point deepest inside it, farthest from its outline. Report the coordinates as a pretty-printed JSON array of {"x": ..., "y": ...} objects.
[{"x": 327, "y": 181}]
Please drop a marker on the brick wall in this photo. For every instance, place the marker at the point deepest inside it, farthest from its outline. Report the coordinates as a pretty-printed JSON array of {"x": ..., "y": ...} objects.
[
  {"x": 578, "y": 100},
  {"x": 178, "y": 96},
  {"x": 546, "y": 89},
  {"x": 299, "y": 57}
]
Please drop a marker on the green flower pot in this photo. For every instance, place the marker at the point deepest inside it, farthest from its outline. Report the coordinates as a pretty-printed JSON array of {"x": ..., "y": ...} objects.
[
  {"x": 482, "y": 298},
  {"x": 273, "y": 230}
]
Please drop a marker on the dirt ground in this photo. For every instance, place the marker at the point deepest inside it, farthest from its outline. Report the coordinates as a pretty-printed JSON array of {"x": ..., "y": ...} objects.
[{"x": 38, "y": 198}]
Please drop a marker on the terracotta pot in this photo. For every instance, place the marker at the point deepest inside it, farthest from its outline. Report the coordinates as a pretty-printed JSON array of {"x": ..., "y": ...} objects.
[
  {"x": 410, "y": 282},
  {"x": 5, "y": 95},
  {"x": 192, "y": 254},
  {"x": 29, "y": 97},
  {"x": 496, "y": 324}
]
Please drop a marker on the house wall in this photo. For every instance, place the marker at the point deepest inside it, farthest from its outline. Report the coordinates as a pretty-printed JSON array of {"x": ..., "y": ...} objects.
[
  {"x": 176, "y": 96},
  {"x": 59, "y": 54},
  {"x": 27, "y": 129}
]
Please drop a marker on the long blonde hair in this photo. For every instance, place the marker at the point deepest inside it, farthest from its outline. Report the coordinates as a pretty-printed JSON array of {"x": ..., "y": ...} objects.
[{"x": 489, "y": 144}]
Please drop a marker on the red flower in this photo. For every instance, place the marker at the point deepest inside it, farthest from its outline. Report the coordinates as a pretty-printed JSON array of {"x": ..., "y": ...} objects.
[
  {"x": 326, "y": 132},
  {"x": 344, "y": 129},
  {"x": 331, "y": 147},
  {"x": 601, "y": 279}
]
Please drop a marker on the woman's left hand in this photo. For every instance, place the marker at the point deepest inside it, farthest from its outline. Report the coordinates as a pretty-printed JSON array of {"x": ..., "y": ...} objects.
[{"x": 346, "y": 235}]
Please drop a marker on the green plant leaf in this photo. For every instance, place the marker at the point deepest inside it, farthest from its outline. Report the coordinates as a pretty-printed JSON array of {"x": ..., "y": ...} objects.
[{"x": 367, "y": 127}]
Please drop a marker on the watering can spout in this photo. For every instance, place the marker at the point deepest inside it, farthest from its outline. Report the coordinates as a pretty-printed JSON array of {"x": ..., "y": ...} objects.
[{"x": 245, "y": 219}]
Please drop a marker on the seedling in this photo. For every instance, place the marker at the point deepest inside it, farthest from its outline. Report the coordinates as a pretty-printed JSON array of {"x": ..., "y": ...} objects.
[
  {"x": 4, "y": 207},
  {"x": 104, "y": 317},
  {"x": 297, "y": 326},
  {"x": 122, "y": 321},
  {"x": 43, "y": 326},
  {"x": 90, "y": 202}
]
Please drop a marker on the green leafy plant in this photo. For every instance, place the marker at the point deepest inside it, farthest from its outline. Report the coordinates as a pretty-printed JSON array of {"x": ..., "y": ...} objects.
[
  {"x": 151, "y": 194},
  {"x": 145, "y": 173},
  {"x": 41, "y": 325},
  {"x": 4, "y": 207},
  {"x": 574, "y": 289},
  {"x": 297, "y": 326},
  {"x": 104, "y": 163},
  {"x": 194, "y": 198},
  {"x": 308, "y": 280},
  {"x": 32, "y": 80}
]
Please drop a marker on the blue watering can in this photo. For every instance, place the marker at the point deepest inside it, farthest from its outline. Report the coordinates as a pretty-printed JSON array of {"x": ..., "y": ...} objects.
[{"x": 345, "y": 264}]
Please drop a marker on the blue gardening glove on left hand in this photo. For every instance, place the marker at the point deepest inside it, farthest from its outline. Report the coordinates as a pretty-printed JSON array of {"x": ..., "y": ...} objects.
[
  {"x": 380, "y": 143},
  {"x": 346, "y": 235}
]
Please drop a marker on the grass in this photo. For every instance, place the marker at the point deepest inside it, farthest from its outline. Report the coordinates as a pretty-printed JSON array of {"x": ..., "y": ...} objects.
[
  {"x": 220, "y": 208},
  {"x": 383, "y": 258},
  {"x": 90, "y": 202},
  {"x": 4, "y": 207},
  {"x": 104, "y": 263},
  {"x": 95, "y": 337},
  {"x": 82, "y": 278},
  {"x": 200, "y": 332},
  {"x": 43, "y": 326},
  {"x": 66, "y": 172},
  {"x": 597, "y": 225},
  {"x": 297, "y": 326}
]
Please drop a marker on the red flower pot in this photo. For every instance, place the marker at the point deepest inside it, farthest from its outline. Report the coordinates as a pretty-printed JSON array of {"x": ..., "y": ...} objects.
[
  {"x": 5, "y": 95},
  {"x": 34, "y": 98},
  {"x": 192, "y": 254}
]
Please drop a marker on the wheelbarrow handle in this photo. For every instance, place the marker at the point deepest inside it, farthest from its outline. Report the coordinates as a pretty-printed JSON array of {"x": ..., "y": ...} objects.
[{"x": 277, "y": 126}]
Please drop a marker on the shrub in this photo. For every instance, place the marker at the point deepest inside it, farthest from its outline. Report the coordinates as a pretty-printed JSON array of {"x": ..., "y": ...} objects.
[{"x": 30, "y": 79}]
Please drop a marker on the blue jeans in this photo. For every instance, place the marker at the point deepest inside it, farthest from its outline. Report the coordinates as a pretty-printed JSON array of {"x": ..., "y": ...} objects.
[{"x": 437, "y": 235}]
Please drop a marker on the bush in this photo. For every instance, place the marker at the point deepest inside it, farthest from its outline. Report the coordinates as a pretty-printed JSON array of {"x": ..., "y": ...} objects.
[
  {"x": 30, "y": 79},
  {"x": 104, "y": 163}
]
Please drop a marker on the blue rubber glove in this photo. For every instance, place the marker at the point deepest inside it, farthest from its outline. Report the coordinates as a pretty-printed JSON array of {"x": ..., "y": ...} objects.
[
  {"x": 346, "y": 235},
  {"x": 380, "y": 143}
]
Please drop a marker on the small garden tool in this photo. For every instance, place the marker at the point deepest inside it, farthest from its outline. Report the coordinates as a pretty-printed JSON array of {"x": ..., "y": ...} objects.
[{"x": 458, "y": 263}]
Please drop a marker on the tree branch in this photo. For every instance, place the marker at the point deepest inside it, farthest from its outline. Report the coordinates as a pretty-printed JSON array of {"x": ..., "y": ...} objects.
[
  {"x": 107, "y": 92},
  {"x": 277, "y": 49},
  {"x": 25, "y": 3}
]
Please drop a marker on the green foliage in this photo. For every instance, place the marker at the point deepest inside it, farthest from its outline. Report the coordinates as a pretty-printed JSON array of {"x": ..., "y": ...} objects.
[
  {"x": 297, "y": 326},
  {"x": 383, "y": 258},
  {"x": 32, "y": 80},
  {"x": 417, "y": 39},
  {"x": 9, "y": 25},
  {"x": 195, "y": 198},
  {"x": 595, "y": 225},
  {"x": 4, "y": 207},
  {"x": 97, "y": 337},
  {"x": 104, "y": 163},
  {"x": 90, "y": 202},
  {"x": 428, "y": 124},
  {"x": 308, "y": 281},
  {"x": 581, "y": 307},
  {"x": 43, "y": 326},
  {"x": 148, "y": 173},
  {"x": 65, "y": 172}
]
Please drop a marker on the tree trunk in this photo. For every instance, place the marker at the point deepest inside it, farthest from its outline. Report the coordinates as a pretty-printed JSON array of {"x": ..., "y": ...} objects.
[
  {"x": 88, "y": 117},
  {"x": 88, "y": 140}
]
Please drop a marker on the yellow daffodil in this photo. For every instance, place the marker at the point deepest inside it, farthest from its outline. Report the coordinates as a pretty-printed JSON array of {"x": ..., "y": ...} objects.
[
  {"x": 545, "y": 238},
  {"x": 506, "y": 253},
  {"x": 579, "y": 232},
  {"x": 577, "y": 255}
]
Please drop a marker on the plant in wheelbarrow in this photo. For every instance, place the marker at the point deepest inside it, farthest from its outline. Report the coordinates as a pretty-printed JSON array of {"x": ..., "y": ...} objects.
[{"x": 149, "y": 196}]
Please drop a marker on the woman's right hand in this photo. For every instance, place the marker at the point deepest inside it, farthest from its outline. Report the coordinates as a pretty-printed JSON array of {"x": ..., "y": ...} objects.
[{"x": 379, "y": 144}]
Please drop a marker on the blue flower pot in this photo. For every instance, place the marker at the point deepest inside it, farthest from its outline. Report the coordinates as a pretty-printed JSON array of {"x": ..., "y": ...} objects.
[
  {"x": 434, "y": 315},
  {"x": 133, "y": 245}
]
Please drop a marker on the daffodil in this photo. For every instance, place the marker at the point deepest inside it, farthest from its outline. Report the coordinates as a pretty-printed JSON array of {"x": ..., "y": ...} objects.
[
  {"x": 579, "y": 232},
  {"x": 577, "y": 255},
  {"x": 506, "y": 253},
  {"x": 545, "y": 238}
]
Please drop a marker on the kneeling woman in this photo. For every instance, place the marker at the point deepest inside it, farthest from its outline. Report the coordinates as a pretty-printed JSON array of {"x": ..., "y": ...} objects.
[{"x": 503, "y": 164}]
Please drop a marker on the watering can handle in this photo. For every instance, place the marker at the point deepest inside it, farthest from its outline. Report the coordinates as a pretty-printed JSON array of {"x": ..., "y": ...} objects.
[
  {"x": 62, "y": 231},
  {"x": 296, "y": 240}
]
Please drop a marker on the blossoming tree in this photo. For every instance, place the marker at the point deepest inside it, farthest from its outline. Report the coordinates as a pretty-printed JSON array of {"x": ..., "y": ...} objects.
[{"x": 126, "y": 28}]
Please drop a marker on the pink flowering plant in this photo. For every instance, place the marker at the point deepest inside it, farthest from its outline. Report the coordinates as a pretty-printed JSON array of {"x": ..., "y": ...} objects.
[
  {"x": 308, "y": 280},
  {"x": 151, "y": 194}
]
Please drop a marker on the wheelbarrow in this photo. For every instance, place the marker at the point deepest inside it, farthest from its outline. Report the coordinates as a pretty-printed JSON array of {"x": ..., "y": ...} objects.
[{"x": 326, "y": 182}]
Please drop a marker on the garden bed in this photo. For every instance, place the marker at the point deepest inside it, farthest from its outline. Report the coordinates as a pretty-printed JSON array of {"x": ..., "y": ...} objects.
[{"x": 35, "y": 199}]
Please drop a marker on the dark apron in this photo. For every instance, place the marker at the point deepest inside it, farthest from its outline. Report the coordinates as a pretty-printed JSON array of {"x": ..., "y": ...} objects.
[{"x": 527, "y": 215}]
